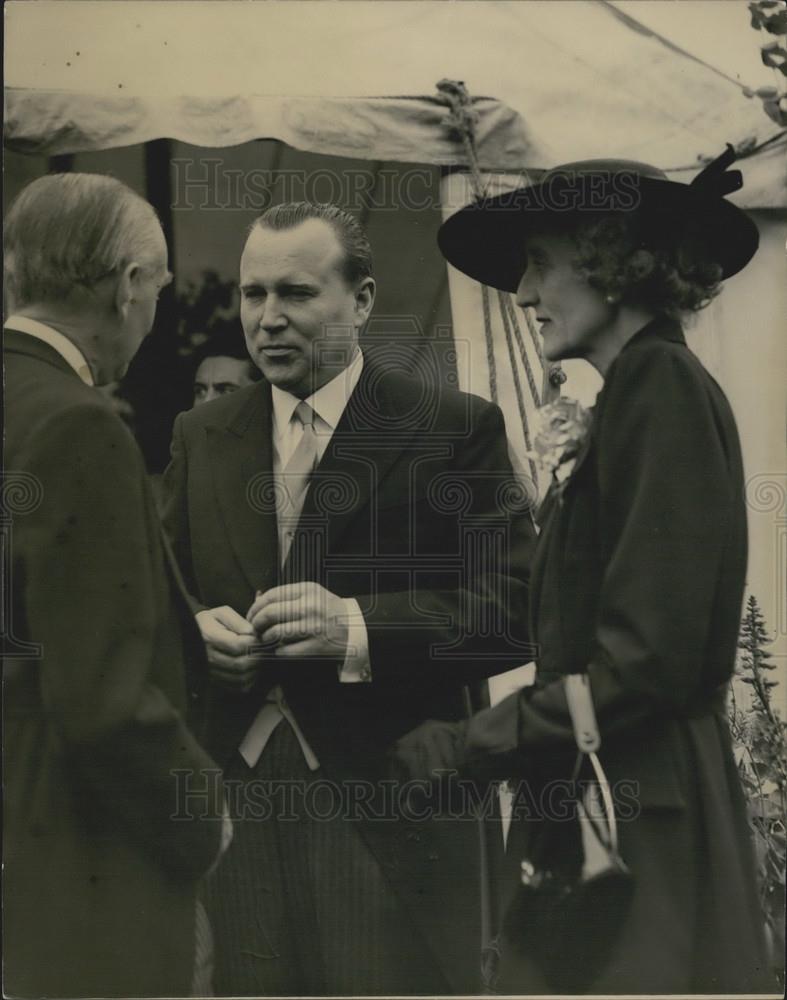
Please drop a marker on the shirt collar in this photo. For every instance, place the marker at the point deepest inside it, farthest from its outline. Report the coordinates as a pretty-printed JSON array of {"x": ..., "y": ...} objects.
[
  {"x": 328, "y": 402},
  {"x": 66, "y": 348}
]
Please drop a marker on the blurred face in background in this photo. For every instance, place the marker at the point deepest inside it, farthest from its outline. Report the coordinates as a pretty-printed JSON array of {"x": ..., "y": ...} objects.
[{"x": 220, "y": 376}]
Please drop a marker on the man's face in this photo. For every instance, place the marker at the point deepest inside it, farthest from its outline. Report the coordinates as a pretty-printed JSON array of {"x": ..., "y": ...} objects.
[
  {"x": 219, "y": 376},
  {"x": 300, "y": 316}
]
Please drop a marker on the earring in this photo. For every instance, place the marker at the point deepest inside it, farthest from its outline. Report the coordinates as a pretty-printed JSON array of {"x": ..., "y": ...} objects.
[{"x": 611, "y": 300}]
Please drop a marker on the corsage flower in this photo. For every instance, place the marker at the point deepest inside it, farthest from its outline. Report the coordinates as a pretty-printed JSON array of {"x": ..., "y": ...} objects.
[{"x": 564, "y": 427}]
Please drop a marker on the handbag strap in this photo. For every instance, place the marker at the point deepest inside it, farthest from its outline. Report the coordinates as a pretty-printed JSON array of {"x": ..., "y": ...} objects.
[
  {"x": 582, "y": 712},
  {"x": 609, "y": 809},
  {"x": 588, "y": 739}
]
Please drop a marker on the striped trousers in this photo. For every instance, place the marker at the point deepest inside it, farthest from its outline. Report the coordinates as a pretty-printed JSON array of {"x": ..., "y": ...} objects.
[{"x": 299, "y": 904}]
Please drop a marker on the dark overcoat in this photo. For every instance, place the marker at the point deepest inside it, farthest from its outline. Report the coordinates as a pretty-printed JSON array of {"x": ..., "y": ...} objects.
[
  {"x": 638, "y": 578},
  {"x": 99, "y": 881},
  {"x": 414, "y": 512}
]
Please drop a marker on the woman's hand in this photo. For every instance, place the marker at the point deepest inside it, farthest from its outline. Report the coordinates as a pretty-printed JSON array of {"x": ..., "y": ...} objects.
[
  {"x": 431, "y": 748},
  {"x": 479, "y": 748},
  {"x": 493, "y": 731}
]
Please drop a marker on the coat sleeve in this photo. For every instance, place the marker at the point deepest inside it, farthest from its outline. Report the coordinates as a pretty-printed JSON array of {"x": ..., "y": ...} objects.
[
  {"x": 466, "y": 616},
  {"x": 670, "y": 507},
  {"x": 92, "y": 580}
]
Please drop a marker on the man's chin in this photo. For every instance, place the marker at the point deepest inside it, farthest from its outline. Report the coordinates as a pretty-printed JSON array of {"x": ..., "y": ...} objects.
[{"x": 285, "y": 379}]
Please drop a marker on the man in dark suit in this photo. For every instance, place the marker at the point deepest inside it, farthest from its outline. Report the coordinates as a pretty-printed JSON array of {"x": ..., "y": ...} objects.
[
  {"x": 102, "y": 853},
  {"x": 349, "y": 536}
]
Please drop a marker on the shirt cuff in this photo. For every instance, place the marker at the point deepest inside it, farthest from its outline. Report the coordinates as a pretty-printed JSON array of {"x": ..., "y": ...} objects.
[{"x": 356, "y": 668}]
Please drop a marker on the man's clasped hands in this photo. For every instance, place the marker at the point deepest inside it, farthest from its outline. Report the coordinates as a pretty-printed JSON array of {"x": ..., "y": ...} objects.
[{"x": 291, "y": 621}]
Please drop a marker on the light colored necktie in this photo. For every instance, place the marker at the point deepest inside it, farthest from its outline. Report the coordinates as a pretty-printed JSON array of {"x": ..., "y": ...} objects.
[
  {"x": 294, "y": 479},
  {"x": 293, "y": 483}
]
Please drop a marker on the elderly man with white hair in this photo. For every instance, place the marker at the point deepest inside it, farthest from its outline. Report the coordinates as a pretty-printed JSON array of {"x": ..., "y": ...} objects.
[{"x": 101, "y": 856}]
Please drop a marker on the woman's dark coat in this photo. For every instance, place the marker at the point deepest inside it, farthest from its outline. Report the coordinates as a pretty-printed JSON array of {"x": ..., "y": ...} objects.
[{"x": 638, "y": 579}]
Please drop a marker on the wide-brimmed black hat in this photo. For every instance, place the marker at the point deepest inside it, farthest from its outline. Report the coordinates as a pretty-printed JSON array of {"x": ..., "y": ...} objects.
[{"x": 485, "y": 240}]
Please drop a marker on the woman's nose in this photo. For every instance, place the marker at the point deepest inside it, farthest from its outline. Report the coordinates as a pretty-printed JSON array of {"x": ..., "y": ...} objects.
[{"x": 526, "y": 294}]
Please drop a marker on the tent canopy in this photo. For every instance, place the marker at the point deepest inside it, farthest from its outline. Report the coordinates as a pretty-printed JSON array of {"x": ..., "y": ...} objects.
[
  {"x": 407, "y": 129},
  {"x": 578, "y": 79}
]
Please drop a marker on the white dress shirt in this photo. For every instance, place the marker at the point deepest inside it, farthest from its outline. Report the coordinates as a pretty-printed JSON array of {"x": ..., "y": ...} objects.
[
  {"x": 66, "y": 348},
  {"x": 328, "y": 404}
]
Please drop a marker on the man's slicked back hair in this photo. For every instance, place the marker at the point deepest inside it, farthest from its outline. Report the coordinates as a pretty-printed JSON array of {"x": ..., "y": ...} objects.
[{"x": 357, "y": 262}]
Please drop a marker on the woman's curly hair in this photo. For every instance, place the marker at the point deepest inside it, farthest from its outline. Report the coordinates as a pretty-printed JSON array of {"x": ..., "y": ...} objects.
[{"x": 666, "y": 267}]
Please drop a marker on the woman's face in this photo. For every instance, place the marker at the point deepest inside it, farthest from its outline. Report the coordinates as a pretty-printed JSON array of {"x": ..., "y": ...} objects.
[{"x": 574, "y": 317}]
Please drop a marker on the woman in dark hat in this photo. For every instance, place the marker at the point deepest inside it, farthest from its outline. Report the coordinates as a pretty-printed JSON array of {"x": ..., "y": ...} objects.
[{"x": 637, "y": 582}]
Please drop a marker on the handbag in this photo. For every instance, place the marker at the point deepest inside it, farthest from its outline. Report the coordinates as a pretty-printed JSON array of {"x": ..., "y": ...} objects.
[{"x": 575, "y": 888}]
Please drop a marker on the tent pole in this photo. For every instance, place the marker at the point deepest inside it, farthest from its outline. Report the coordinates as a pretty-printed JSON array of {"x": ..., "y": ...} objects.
[
  {"x": 61, "y": 163},
  {"x": 158, "y": 185}
]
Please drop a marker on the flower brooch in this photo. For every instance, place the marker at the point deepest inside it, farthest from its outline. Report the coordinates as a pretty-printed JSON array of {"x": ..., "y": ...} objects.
[{"x": 564, "y": 427}]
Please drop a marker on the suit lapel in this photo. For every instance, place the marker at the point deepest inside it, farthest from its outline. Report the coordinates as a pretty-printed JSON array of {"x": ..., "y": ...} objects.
[
  {"x": 241, "y": 456},
  {"x": 370, "y": 437}
]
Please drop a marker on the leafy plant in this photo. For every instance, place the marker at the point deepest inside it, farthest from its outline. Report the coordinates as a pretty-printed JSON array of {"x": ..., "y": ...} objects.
[
  {"x": 204, "y": 308},
  {"x": 769, "y": 17},
  {"x": 760, "y": 737}
]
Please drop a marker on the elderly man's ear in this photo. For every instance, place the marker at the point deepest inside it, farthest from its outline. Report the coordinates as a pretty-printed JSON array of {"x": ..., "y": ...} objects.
[{"x": 126, "y": 288}]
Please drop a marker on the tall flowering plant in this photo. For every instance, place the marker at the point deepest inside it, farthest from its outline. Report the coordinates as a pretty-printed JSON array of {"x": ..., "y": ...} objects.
[{"x": 760, "y": 742}]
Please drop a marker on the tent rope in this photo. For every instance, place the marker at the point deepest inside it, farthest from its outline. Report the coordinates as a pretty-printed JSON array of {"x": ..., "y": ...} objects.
[
  {"x": 490, "y": 345},
  {"x": 520, "y": 396},
  {"x": 552, "y": 375},
  {"x": 508, "y": 306},
  {"x": 531, "y": 326},
  {"x": 461, "y": 122}
]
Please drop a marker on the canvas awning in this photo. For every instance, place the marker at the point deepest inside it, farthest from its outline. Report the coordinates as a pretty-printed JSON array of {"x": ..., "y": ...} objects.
[
  {"x": 407, "y": 129},
  {"x": 572, "y": 81}
]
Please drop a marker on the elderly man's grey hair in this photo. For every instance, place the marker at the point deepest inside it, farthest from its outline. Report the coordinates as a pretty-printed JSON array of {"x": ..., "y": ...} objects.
[{"x": 66, "y": 231}]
